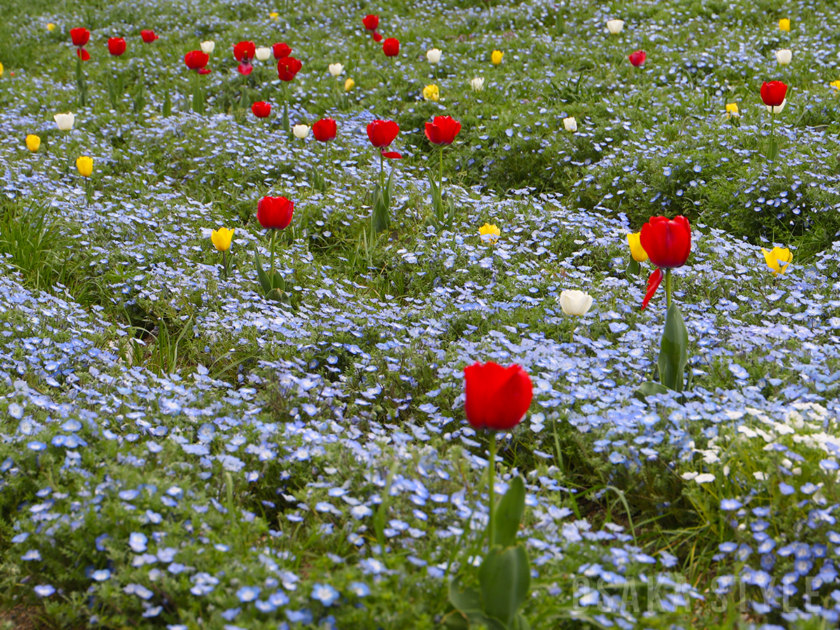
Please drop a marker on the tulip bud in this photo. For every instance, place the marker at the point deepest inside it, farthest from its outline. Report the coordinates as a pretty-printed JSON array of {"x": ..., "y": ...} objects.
[
  {"x": 1, "y": 69},
  {"x": 784, "y": 56},
  {"x": 431, "y": 93},
  {"x": 636, "y": 250},
  {"x": 477, "y": 84},
  {"x": 778, "y": 259},
  {"x": 208, "y": 47},
  {"x": 33, "y": 143},
  {"x": 570, "y": 124},
  {"x": 784, "y": 24},
  {"x": 262, "y": 53},
  {"x": 489, "y": 233},
  {"x": 50, "y": 27},
  {"x": 300, "y": 131},
  {"x": 575, "y": 303},
  {"x": 336, "y": 69},
  {"x": 433, "y": 55},
  {"x": 349, "y": 84},
  {"x": 732, "y": 110},
  {"x": 84, "y": 164},
  {"x": 65, "y": 121},
  {"x": 496, "y": 57},
  {"x": 615, "y": 26},
  {"x": 221, "y": 238}
]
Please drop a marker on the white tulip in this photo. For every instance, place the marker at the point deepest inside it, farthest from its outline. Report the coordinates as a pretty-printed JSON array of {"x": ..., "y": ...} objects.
[
  {"x": 784, "y": 56},
  {"x": 65, "y": 122},
  {"x": 262, "y": 53},
  {"x": 778, "y": 109},
  {"x": 477, "y": 84},
  {"x": 433, "y": 55},
  {"x": 615, "y": 26},
  {"x": 208, "y": 47},
  {"x": 336, "y": 69},
  {"x": 575, "y": 302},
  {"x": 570, "y": 124},
  {"x": 301, "y": 131}
]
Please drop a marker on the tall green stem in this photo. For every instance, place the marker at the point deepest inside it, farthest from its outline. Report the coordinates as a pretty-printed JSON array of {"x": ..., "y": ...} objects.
[
  {"x": 381, "y": 172},
  {"x": 490, "y": 471},
  {"x": 273, "y": 234},
  {"x": 668, "y": 287},
  {"x": 440, "y": 179},
  {"x": 224, "y": 264}
]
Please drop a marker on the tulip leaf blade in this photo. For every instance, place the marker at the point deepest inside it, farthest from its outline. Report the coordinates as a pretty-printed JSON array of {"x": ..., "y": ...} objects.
[
  {"x": 673, "y": 354},
  {"x": 650, "y": 388},
  {"x": 505, "y": 580},
  {"x": 265, "y": 282},
  {"x": 509, "y": 514},
  {"x": 633, "y": 269}
]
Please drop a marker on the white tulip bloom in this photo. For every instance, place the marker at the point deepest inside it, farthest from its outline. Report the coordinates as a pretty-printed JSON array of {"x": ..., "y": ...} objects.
[
  {"x": 784, "y": 56},
  {"x": 615, "y": 26},
  {"x": 570, "y": 124},
  {"x": 262, "y": 53},
  {"x": 336, "y": 69},
  {"x": 301, "y": 131},
  {"x": 477, "y": 84},
  {"x": 65, "y": 122},
  {"x": 433, "y": 55},
  {"x": 208, "y": 47},
  {"x": 778, "y": 109},
  {"x": 575, "y": 302}
]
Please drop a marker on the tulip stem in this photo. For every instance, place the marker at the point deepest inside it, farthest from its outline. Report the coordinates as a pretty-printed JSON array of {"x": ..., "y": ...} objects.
[
  {"x": 225, "y": 264},
  {"x": 440, "y": 179},
  {"x": 381, "y": 172},
  {"x": 668, "y": 288},
  {"x": 490, "y": 470},
  {"x": 271, "y": 245}
]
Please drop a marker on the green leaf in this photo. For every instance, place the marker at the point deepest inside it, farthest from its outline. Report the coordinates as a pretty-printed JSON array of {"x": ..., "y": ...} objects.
[
  {"x": 650, "y": 388},
  {"x": 388, "y": 193},
  {"x": 520, "y": 623},
  {"x": 278, "y": 282},
  {"x": 464, "y": 599},
  {"x": 262, "y": 275},
  {"x": 559, "y": 24},
  {"x": 772, "y": 149},
  {"x": 167, "y": 105},
  {"x": 379, "y": 217},
  {"x": 633, "y": 269},
  {"x": 509, "y": 514},
  {"x": 279, "y": 296},
  {"x": 673, "y": 355},
  {"x": 505, "y": 582}
]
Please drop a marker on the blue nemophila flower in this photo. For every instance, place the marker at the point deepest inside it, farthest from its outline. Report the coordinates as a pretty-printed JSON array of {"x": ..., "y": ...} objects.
[
  {"x": 31, "y": 555},
  {"x": 248, "y": 593},
  {"x": 730, "y": 504},
  {"x": 44, "y": 590},
  {"x": 101, "y": 575},
  {"x": 359, "y": 589},
  {"x": 325, "y": 594},
  {"x": 137, "y": 541}
]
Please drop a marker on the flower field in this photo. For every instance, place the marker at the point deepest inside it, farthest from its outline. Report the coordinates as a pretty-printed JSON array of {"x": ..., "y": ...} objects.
[{"x": 279, "y": 281}]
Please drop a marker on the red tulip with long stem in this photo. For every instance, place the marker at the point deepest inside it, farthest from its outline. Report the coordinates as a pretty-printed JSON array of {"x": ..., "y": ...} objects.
[
  {"x": 773, "y": 94},
  {"x": 287, "y": 69}
]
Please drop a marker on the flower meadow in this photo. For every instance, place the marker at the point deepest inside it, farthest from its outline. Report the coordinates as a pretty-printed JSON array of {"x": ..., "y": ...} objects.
[{"x": 451, "y": 314}]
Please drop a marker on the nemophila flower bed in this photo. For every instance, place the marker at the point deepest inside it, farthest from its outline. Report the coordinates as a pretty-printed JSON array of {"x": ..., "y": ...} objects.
[{"x": 279, "y": 282}]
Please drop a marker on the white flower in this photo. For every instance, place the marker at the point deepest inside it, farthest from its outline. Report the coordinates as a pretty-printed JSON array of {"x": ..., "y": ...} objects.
[
  {"x": 570, "y": 124},
  {"x": 761, "y": 476},
  {"x": 301, "y": 131},
  {"x": 262, "y": 53},
  {"x": 688, "y": 476},
  {"x": 783, "y": 56},
  {"x": 336, "y": 69},
  {"x": 575, "y": 302},
  {"x": 477, "y": 84},
  {"x": 704, "y": 478},
  {"x": 615, "y": 26},
  {"x": 208, "y": 47},
  {"x": 778, "y": 109},
  {"x": 433, "y": 55},
  {"x": 65, "y": 121}
]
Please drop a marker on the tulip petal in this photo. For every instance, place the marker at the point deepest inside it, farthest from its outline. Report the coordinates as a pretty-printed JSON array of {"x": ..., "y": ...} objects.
[
  {"x": 392, "y": 155},
  {"x": 654, "y": 281}
]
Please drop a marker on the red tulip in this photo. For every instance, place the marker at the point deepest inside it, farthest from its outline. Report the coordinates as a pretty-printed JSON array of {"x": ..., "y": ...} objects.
[
  {"x": 391, "y": 47},
  {"x": 377, "y": 37},
  {"x": 196, "y": 60},
  {"x": 324, "y": 130},
  {"x": 638, "y": 58},
  {"x": 287, "y": 68},
  {"x": 382, "y": 132},
  {"x": 116, "y": 46},
  {"x": 668, "y": 244},
  {"x": 442, "y": 130},
  {"x": 148, "y": 36},
  {"x": 497, "y": 398},
  {"x": 275, "y": 212},
  {"x": 281, "y": 50},
  {"x": 371, "y": 22},
  {"x": 773, "y": 93},
  {"x": 261, "y": 109},
  {"x": 244, "y": 51},
  {"x": 80, "y": 36}
]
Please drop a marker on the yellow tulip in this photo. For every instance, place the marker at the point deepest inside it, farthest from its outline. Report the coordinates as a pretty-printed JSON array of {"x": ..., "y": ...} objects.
[
  {"x": 778, "y": 259},
  {"x": 274, "y": 15},
  {"x": 85, "y": 166},
  {"x": 1, "y": 69},
  {"x": 636, "y": 250},
  {"x": 349, "y": 84},
  {"x": 50, "y": 27},
  {"x": 431, "y": 93},
  {"x": 489, "y": 233},
  {"x": 784, "y": 24},
  {"x": 33, "y": 143},
  {"x": 835, "y": 85},
  {"x": 732, "y": 110},
  {"x": 221, "y": 238},
  {"x": 496, "y": 57}
]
